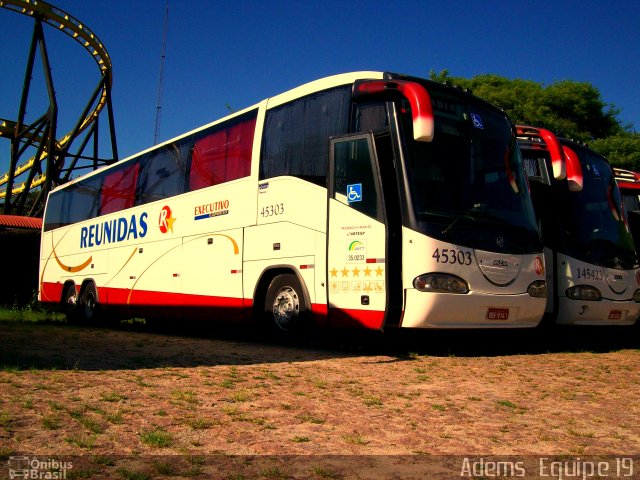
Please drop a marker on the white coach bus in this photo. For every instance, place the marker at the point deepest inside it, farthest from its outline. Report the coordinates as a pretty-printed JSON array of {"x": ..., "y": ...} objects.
[
  {"x": 365, "y": 199},
  {"x": 592, "y": 269}
]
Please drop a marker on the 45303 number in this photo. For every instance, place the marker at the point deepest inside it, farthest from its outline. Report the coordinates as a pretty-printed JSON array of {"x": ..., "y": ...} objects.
[
  {"x": 271, "y": 210},
  {"x": 452, "y": 256}
]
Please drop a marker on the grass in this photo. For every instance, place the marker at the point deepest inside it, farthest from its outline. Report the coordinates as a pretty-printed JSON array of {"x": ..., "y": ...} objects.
[
  {"x": 29, "y": 313},
  {"x": 184, "y": 396},
  {"x": 132, "y": 475},
  {"x": 156, "y": 437},
  {"x": 199, "y": 423},
  {"x": 112, "y": 396},
  {"x": 325, "y": 473},
  {"x": 76, "y": 474},
  {"x": 228, "y": 383},
  {"x": 90, "y": 424},
  {"x": 51, "y": 422},
  {"x": 4, "y": 419},
  {"x": 165, "y": 468},
  {"x": 319, "y": 383},
  {"x": 299, "y": 439},
  {"x": 274, "y": 472},
  {"x": 578, "y": 433},
  {"x": 308, "y": 418},
  {"x": 241, "y": 396},
  {"x": 103, "y": 460},
  {"x": 355, "y": 439},
  {"x": 372, "y": 401},
  {"x": 114, "y": 417},
  {"x": 82, "y": 441},
  {"x": 239, "y": 416},
  {"x": 509, "y": 404}
]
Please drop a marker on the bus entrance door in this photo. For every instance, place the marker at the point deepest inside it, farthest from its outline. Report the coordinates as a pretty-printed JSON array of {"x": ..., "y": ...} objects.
[{"x": 357, "y": 236}]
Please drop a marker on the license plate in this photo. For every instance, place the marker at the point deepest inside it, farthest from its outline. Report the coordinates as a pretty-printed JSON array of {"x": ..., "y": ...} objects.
[
  {"x": 615, "y": 315},
  {"x": 498, "y": 314}
]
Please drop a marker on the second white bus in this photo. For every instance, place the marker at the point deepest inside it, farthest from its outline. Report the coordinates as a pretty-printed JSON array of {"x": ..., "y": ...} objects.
[{"x": 592, "y": 269}]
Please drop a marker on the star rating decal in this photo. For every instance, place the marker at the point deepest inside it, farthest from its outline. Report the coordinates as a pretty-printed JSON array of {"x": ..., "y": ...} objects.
[{"x": 355, "y": 272}]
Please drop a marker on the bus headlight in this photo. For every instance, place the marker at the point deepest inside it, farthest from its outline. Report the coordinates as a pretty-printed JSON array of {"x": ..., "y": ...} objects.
[
  {"x": 584, "y": 292},
  {"x": 440, "y": 282},
  {"x": 538, "y": 289},
  {"x": 636, "y": 296}
]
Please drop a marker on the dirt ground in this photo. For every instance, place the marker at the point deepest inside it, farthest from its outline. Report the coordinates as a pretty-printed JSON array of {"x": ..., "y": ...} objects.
[{"x": 142, "y": 392}]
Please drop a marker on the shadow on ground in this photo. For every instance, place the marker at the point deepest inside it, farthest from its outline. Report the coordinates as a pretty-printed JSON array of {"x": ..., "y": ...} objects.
[{"x": 52, "y": 345}]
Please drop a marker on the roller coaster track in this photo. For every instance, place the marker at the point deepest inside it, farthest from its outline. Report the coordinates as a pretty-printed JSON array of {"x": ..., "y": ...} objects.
[{"x": 41, "y": 133}]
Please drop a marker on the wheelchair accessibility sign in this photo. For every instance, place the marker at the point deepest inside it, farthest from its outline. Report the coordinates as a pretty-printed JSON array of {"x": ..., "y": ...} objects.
[
  {"x": 354, "y": 192},
  {"x": 477, "y": 121}
]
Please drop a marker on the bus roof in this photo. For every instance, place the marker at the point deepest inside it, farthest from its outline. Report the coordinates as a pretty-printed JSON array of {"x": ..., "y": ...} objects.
[
  {"x": 289, "y": 95},
  {"x": 297, "y": 92}
]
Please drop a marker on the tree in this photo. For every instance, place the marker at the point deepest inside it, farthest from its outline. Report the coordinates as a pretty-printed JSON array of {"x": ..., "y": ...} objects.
[
  {"x": 571, "y": 109},
  {"x": 622, "y": 150}
]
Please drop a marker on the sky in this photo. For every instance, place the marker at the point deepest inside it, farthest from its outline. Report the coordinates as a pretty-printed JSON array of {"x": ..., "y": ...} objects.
[{"x": 232, "y": 54}]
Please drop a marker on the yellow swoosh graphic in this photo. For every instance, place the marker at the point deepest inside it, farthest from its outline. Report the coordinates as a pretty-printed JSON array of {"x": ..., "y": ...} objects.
[
  {"x": 67, "y": 268},
  {"x": 236, "y": 250},
  {"x": 74, "y": 269}
]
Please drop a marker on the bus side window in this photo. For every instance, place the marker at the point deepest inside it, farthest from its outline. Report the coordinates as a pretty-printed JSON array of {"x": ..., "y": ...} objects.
[
  {"x": 118, "y": 190},
  {"x": 369, "y": 116},
  {"x": 296, "y": 135},
  {"x": 76, "y": 203},
  {"x": 163, "y": 172},
  {"x": 222, "y": 154},
  {"x": 354, "y": 178}
]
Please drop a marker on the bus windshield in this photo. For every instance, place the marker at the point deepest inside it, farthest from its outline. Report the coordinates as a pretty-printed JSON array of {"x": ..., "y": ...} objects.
[
  {"x": 467, "y": 186},
  {"x": 594, "y": 227}
]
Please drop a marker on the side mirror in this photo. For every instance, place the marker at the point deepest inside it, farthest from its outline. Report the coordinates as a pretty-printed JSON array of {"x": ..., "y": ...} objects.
[
  {"x": 574, "y": 170},
  {"x": 558, "y": 161},
  {"x": 416, "y": 94}
]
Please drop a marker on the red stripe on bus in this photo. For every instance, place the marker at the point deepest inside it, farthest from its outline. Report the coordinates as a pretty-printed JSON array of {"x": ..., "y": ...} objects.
[
  {"x": 349, "y": 317},
  {"x": 119, "y": 296},
  {"x": 50, "y": 292}
]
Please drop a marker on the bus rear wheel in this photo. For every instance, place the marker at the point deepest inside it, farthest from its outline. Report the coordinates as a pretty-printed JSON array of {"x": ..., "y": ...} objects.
[
  {"x": 285, "y": 304},
  {"x": 69, "y": 303}
]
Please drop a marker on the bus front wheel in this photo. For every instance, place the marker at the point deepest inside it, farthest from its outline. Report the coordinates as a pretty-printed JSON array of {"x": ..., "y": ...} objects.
[
  {"x": 88, "y": 304},
  {"x": 285, "y": 303}
]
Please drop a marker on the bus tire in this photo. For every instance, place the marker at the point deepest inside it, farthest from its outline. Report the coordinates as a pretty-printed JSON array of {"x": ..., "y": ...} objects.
[
  {"x": 88, "y": 304},
  {"x": 69, "y": 303},
  {"x": 285, "y": 306}
]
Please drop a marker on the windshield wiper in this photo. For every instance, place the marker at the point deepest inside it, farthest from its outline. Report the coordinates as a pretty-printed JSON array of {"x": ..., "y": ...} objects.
[
  {"x": 476, "y": 214},
  {"x": 466, "y": 214}
]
